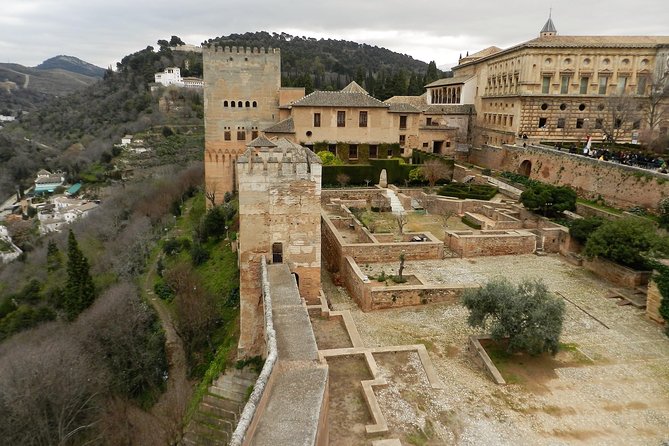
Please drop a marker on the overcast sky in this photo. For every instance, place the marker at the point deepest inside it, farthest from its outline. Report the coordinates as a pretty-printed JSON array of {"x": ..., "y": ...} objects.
[{"x": 104, "y": 32}]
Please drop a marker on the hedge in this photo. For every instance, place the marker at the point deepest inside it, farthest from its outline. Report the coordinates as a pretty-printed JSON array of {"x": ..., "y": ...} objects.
[
  {"x": 397, "y": 172},
  {"x": 473, "y": 191}
]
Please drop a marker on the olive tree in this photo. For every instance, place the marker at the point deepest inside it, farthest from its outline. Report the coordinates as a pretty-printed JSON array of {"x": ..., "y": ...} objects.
[{"x": 527, "y": 314}]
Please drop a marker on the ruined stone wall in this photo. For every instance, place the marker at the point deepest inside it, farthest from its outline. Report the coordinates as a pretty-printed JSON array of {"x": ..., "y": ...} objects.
[
  {"x": 332, "y": 248},
  {"x": 250, "y": 79},
  {"x": 368, "y": 195},
  {"x": 404, "y": 296},
  {"x": 618, "y": 185},
  {"x": 353, "y": 279},
  {"x": 370, "y": 297},
  {"x": 490, "y": 243},
  {"x": 617, "y": 274}
]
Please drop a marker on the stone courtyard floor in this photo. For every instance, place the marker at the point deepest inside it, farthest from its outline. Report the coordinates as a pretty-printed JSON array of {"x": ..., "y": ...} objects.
[{"x": 619, "y": 395}]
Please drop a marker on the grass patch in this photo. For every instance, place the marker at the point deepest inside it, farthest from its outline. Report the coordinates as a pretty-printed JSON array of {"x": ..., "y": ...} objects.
[{"x": 421, "y": 437}]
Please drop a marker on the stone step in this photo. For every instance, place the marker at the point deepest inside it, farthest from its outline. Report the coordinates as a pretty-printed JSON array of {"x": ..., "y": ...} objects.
[
  {"x": 222, "y": 403},
  {"x": 230, "y": 394},
  {"x": 202, "y": 435},
  {"x": 241, "y": 373},
  {"x": 214, "y": 434},
  {"x": 223, "y": 414},
  {"x": 213, "y": 422},
  {"x": 234, "y": 380}
]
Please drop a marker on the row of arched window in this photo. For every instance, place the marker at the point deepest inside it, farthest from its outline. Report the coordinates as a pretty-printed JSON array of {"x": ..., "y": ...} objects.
[{"x": 240, "y": 104}]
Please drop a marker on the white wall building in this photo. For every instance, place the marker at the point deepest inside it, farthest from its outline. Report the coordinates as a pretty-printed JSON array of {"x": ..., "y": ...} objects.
[{"x": 170, "y": 76}]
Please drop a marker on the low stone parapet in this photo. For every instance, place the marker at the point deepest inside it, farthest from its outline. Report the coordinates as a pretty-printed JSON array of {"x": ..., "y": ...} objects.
[
  {"x": 491, "y": 243},
  {"x": 618, "y": 274}
]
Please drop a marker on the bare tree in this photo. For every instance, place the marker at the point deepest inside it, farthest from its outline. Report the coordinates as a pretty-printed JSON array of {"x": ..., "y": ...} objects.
[
  {"x": 50, "y": 389},
  {"x": 616, "y": 116},
  {"x": 210, "y": 192},
  {"x": 656, "y": 105},
  {"x": 434, "y": 170},
  {"x": 401, "y": 219},
  {"x": 343, "y": 179}
]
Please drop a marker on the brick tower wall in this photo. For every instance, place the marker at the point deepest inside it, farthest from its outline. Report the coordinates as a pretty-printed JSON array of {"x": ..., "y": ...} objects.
[{"x": 243, "y": 76}]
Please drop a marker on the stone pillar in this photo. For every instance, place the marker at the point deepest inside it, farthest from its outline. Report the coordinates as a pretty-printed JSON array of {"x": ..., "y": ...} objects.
[{"x": 383, "y": 179}]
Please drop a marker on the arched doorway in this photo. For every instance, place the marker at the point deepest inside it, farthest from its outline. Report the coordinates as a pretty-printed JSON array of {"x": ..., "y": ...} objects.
[{"x": 525, "y": 168}]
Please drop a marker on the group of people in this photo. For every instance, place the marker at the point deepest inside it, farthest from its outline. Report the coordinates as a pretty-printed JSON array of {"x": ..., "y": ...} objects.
[{"x": 630, "y": 158}]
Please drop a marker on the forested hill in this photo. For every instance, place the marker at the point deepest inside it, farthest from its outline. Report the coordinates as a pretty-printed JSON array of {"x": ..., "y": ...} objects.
[
  {"x": 74, "y": 131},
  {"x": 327, "y": 64}
]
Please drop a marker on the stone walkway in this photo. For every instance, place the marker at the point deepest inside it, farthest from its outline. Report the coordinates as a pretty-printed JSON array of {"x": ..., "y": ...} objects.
[{"x": 622, "y": 397}]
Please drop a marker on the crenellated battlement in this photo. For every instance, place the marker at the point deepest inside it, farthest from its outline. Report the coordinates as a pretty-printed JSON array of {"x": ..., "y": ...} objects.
[{"x": 242, "y": 50}]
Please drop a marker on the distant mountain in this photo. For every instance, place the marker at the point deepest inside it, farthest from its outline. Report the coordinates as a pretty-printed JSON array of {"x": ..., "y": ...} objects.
[
  {"x": 26, "y": 89},
  {"x": 73, "y": 64}
]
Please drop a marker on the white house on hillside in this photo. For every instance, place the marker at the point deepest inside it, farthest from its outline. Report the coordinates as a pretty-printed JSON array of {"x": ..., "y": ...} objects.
[{"x": 172, "y": 76}]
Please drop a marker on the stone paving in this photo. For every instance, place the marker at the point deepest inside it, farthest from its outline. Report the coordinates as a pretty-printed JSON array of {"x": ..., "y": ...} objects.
[{"x": 622, "y": 397}]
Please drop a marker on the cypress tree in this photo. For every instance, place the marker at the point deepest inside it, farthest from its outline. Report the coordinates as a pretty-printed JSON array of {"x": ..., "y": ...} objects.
[
  {"x": 53, "y": 257},
  {"x": 79, "y": 290}
]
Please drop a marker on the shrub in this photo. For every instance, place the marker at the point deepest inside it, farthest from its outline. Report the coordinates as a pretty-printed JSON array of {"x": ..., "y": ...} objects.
[
  {"x": 628, "y": 241},
  {"x": 548, "y": 200},
  {"x": 582, "y": 228},
  {"x": 528, "y": 315}
]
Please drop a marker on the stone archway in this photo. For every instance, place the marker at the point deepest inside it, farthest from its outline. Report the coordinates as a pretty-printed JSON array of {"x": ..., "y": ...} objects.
[{"x": 525, "y": 168}]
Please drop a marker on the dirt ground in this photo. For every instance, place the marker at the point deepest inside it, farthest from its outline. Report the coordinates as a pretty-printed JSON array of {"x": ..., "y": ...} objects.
[
  {"x": 385, "y": 222},
  {"x": 610, "y": 385}
]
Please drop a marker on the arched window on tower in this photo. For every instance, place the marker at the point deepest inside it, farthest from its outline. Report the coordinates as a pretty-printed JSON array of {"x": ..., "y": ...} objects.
[
  {"x": 232, "y": 104},
  {"x": 255, "y": 104},
  {"x": 239, "y": 104},
  {"x": 248, "y": 104},
  {"x": 225, "y": 103}
]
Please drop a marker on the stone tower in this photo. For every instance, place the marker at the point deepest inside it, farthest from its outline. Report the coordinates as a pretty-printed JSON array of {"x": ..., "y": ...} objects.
[
  {"x": 279, "y": 216},
  {"x": 241, "y": 96}
]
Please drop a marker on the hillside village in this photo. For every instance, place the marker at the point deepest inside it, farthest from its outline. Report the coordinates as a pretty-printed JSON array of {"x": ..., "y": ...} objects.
[{"x": 338, "y": 269}]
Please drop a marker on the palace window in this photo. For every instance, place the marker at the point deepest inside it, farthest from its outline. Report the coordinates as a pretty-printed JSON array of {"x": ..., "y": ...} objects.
[
  {"x": 622, "y": 84},
  {"x": 341, "y": 119},
  {"x": 226, "y": 135},
  {"x": 584, "y": 85},
  {"x": 254, "y": 134},
  {"x": 599, "y": 123},
  {"x": 545, "y": 84},
  {"x": 603, "y": 83},
  {"x": 374, "y": 149},
  {"x": 579, "y": 123},
  {"x": 542, "y": 122},
  {"x": 241, "y": 134},
  {"x": 641, "y": 85},
  {"x": 403, "y": 139},
  {"x": 332, "y": 148},
  {"x": 353, "y": 151},
  {"x": 362, "y": 121},
  {"x": 564, "y": 84},
  {"x": 636, "y": 125},
  {"x": 317, "y": 119},
  {"x": 560, "y": 123}
]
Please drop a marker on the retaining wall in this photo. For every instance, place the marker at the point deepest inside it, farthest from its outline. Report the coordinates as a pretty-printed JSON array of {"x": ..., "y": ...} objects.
[{"x": 617, "y": 274}]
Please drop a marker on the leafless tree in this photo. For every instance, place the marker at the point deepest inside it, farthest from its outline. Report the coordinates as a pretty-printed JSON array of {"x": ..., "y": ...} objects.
[
  {"x": 51, "y": 390},
  {"x": 401, "y": 219},
  {"x": 210, "y": 192},
  {"x": 655, "y": 106},
  {"x": 616, "y": 116},
  {"x": 434, "y": 170},
  {"x": 343, "y": 179}
]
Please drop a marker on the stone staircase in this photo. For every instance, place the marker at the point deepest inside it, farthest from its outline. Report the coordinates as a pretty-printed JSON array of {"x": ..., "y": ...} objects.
[
  {"x": 395, "y": 203},
  {"x": 218, "y": 413}
]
